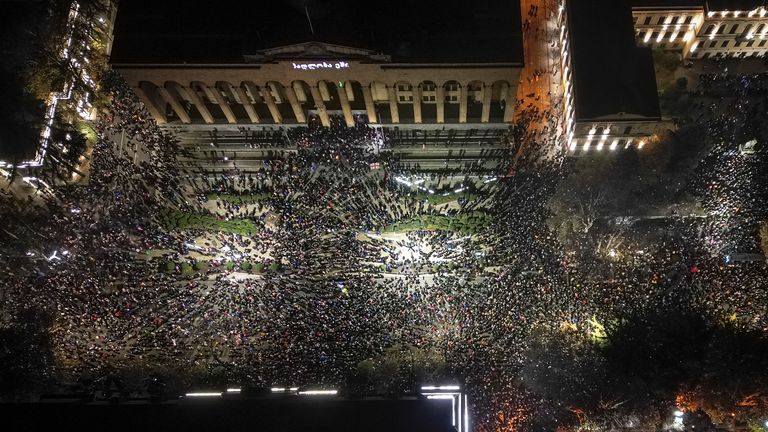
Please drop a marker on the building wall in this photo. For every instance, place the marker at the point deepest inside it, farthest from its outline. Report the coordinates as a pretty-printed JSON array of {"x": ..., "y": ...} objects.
[
  {"x": 700, "y": 33},
  {"x": 288, "y": 92},
  {"x": 620, "y": 131}
]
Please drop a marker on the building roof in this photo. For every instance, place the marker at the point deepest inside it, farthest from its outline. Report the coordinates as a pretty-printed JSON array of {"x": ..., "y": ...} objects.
[
  {"x": 611, "y": 75},
  {"x": 715, "y": 5},
  {"x": 453, "y": 31},
  {"x": 291, "y": 413}
]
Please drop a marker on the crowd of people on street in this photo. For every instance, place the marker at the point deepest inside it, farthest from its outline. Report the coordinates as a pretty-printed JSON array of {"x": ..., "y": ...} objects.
[{"x": 342, "y": 288}]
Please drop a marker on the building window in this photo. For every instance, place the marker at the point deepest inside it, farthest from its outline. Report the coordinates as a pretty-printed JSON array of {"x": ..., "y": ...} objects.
[
  {"x": 712, "y": 44},
  {"x": 694, "y": 55},
  {"x": 634, "y": 20},
  {"x": 721, "y": 30},
  {"x": 705, "y": 56},
  {"x": 406, "y": 98},
  {"x": 724, "y": 44},
  {"x": 710, "y": 29},
  {"x": 404, "y": 87},
  {"x": 430, "y": 98},
  {"x": 627, "y": 130},
  {"x": 734, "y": 28},
  {"x": 654, "y": 35},
  {"x": 750, "y": 43},
  {"x": 428, "y": 87},
  {"x": 688, "y": 19},
  {"x": 674, "y": 19},
  {"x": 641, "y": 35},
  {"x": 452, "y": 98},
  {"x": 452, "y": 87},
  {"x": 647, "y": 21},
  {"x": 762, "y": 43}
]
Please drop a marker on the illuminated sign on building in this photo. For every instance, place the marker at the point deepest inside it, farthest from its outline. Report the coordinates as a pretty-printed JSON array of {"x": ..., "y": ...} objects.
[{"x": 321, "y": 65}]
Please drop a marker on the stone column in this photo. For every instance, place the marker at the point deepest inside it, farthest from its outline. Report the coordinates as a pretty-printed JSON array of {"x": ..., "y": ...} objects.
[
  {"x": 509, "y": 104},
  {"x": 246, "y": 102},
  {"x": 295, "y": 105},
  {"x": 462, "y": 103},
  {"x": 266, "y": 94},
  {"x": 393, "y": 104},
  {"x": 487, "y": 90},
  {"x": 177, "y": 108},
  {"x": 416, "y": 90},
  {"x": 320, "y": 105},
  {"x": 148, "y": 99},
  {"x": 440, "y": 101},
  {"x": 345, "y": 106},
  {"x": 369, "y": 106},
  {"x": 191, "y": 95},
  {"x": 223, "y": 104}
]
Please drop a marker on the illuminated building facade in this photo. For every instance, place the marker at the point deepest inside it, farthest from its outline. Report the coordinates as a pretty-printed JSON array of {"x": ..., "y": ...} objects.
[
  {"x": 392, "y": 68},
  {"x": 703, "y": 29},
  {"x": 610, "y": 96},
  {"x": 288, "y": 85}
]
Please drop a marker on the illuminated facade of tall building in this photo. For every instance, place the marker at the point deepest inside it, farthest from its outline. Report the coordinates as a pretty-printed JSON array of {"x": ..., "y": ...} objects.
[
  {"x": 611, "y": 100},
  {"x": 703, "y": 29}
]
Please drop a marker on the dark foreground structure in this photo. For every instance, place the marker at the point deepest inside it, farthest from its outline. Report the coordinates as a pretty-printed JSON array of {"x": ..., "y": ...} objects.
[{"x": 289, "y": 413}]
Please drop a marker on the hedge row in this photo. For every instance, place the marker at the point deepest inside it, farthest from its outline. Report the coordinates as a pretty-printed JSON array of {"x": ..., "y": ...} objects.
[
  {"x": 469, "y": 223},
  {"x": 246, "y": 266},
  {"x": 240, "y": 199},
  {"x": 437, "y": 199},
  {"x": 176, "y": 220}
]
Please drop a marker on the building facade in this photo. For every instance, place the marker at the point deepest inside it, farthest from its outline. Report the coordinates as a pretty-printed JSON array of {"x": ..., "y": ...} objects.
[
  {"x": 292, "y": 85},
  {"x": 608, "y": 105},
  {"x": 706, "y": 30}
]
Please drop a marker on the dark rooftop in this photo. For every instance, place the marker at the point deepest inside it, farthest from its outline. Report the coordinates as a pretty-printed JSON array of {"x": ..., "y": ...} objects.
[
  {"x": 282, "y": 414},
  {"x": 611, "y": 74},
  {"x": 448, "y": 31}
]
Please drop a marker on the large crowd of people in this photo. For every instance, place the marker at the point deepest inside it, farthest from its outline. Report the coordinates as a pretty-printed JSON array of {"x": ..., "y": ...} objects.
[{"x": 343, "y": 288}]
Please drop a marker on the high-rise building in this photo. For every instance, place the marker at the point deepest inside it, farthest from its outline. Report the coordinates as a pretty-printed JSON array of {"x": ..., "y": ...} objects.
[{"x": 611, "y": 100}]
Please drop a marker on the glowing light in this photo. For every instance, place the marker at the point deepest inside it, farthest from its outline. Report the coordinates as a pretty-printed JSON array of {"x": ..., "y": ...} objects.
[
  {"x": 614, "y": 143},
  {"x": 233, "y": 390},
  {"x": 694, "y": 46},
  {"x": 440, "y": 396},
  {"x": 277, "y": 389},
  {"x": 444, "y": 387},
  {"x": 678, "y": 413},
  {"x": 319, "y": 392},
  {"x": 640, "y": 144},
  {"x": 204, "y": 394}
]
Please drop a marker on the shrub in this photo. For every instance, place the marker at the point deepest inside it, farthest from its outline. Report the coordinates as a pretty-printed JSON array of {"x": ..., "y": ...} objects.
[
  {"x": 245, "y": 265},
  {"x": 259, "y": 267},
  {"x": 275, "y": 267},
  {"x": 230, "y": 265}
]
